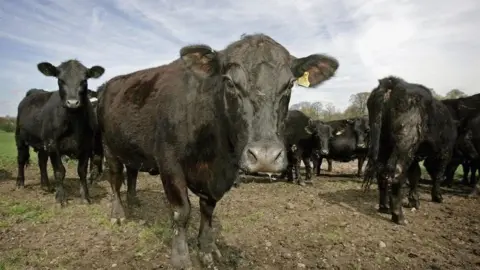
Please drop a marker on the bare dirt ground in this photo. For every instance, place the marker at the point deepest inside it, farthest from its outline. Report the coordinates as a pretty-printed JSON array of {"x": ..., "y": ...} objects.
[{"x": 331, "y": 224}]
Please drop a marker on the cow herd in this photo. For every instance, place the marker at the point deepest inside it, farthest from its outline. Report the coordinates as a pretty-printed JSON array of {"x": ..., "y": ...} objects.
[{"x": 202, "y": 119}]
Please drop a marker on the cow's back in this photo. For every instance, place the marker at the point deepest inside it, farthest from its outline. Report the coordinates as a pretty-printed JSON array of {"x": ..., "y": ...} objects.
[
  {"x": 29, "y": 115},
  {"x": 129, "y": 108}
]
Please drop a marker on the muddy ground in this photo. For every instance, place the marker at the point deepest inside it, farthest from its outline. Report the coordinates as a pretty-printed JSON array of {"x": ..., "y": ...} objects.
[{"x": 328, "y": 225}]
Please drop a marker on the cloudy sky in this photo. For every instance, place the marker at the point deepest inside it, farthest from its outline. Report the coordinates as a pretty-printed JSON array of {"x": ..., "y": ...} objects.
[{"x": 433, "y": 42}]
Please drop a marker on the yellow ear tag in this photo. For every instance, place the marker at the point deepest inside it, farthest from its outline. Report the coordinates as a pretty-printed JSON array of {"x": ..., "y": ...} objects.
[{"x": 303, "y": 81}]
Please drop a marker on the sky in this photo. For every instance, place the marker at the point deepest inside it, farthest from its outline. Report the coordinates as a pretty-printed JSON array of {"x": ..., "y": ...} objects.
[{"x": 432, "y": 42}]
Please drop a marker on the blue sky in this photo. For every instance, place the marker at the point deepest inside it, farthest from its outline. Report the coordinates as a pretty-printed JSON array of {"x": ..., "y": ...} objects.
[{"x": 433, "y": 42}]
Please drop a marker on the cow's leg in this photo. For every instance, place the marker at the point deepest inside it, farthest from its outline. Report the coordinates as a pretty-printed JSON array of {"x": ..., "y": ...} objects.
[
  {"x": 329, "y": 165},
  {"x": 466, "y": 166},
  {"x": 23, "y": 157},
  {"x": 82, "y": 170},
  {"x": 436, "y": 170},
  {"x": 474, "y": 165},
  {"x": 317, "y": 163},
  {"x": 175, "y": 188},
  {"x": 95, "y": 168},
  {"x": 115, "y": 177},
  {"x": 308, "y": 168},
  {"x": 206, "y": 238},
  {"x": 398, "y": 163},
  {"x": 414, "y": 174},
  {"x": 450, "y": 173},
  {"x": 361, "y": 160},
  {"x": 42, "y": 163},
  {"x": 382, "y": 183},
  {"x": 59, "y": 170},
  {"x": 300, "y": 180},
  {"x": 132, "y": 198}
]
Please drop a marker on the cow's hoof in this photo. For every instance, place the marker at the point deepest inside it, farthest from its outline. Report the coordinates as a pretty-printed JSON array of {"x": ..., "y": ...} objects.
[
  {"x": 133, "y": 201},
  {"x": 117, "y": 221},
  {"x": 400, "y": 220},
  {"x": 86, "y": 201},
  {"x": 437, "y": 198},
  {"x": 61, "y": 197},
  {"x": 412, "y": 205},
  {"x": 181, "y": 261},
  {"x": 384, "y": 210}
]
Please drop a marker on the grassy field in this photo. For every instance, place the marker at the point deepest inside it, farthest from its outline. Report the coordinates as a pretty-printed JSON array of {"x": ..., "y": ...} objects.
[{"x": 331, "y": 224}]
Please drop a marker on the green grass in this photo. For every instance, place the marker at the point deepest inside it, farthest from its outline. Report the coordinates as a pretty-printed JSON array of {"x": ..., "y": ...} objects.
[
  {"x": 8, "y": 150},
  {"x": 16, "y": 212}
]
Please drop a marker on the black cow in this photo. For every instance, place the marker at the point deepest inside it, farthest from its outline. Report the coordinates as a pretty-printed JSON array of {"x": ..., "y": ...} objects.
[
  {"x": 304, "y": 136},
  {"x": 200, "y": 118},
  {"x": 96, "y": 160},
  {"x": 349, "y": 142},
  {"x": 407, "y": 125},
  {"x": 58, "y": 123},
  {"x": 467, "y": 148},
  {"x": 462, "y": 110}
]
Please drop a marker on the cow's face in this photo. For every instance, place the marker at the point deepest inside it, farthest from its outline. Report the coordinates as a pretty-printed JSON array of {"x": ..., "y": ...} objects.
[
  {"x": 72, "y": 79},
  {"x": 361, "y": 129},
  {"x": 253, "y": 80},
  {"x": 322, "y": 133}
]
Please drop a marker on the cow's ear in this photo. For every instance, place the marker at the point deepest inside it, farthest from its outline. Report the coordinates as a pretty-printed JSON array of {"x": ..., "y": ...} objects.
[
  {"x": 47, "y": 69},
  {"x": 201, "y": 60},
  {"x": 95, "y": 72},
  {"x": 314, "y": 69}
]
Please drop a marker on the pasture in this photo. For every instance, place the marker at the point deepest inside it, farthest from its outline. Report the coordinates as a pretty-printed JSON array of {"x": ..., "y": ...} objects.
[{"x": 331, "y": 224}]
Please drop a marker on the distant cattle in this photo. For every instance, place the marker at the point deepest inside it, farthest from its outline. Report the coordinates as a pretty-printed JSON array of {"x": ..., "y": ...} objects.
[
  {"x": 199, "y": 119},
  {"x": 58, "y": 123},
  {"x": 349, "y": 142},
  {"x": 407, "y": 125},
  {"x": 467, "y": 151},
  {"x": 462, "y": 110},
  {"x": 304, "y": 137}
]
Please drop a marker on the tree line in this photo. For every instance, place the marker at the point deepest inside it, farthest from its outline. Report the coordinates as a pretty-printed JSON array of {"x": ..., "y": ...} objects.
[
  {"x": 316, "y": 110},
  {"x": 357, "y": 106}
]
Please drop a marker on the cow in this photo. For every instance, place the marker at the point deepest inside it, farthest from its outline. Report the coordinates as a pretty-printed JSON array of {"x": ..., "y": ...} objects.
[
  {"x": 58, "y": 123},
  {"x": 408, "y": 125},
  {"x": 462, "y": 110},
  {"x": 467, "y": 149},
  {"x": 349, "y": 142},
  {"x": 303, "y": 137},
  {"x": 95, "y": 162},
  {"x": 197, "y": 120}
]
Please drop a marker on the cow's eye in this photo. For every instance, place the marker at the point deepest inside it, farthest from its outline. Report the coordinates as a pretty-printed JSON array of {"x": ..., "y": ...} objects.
[
  {"x": 229, "y": 82},
  {"x": 291, "y": 83}
]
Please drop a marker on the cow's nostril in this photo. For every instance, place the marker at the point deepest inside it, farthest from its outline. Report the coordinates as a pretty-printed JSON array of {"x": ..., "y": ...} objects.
[
  {"x": 251, "y": 155},
  {"x": 278, "y": 155}
]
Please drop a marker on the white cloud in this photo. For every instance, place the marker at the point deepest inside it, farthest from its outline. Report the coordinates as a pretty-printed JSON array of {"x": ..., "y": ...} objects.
[{"x": 429, "y": 42}]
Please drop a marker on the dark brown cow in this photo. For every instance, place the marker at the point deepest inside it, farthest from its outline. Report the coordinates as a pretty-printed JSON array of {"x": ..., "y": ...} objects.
[
  {"x": 407, "y": 125},
  {"x": 200, "y": 118}
]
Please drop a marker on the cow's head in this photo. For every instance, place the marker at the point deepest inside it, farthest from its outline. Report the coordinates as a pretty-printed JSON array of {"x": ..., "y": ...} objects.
[
  {"x": 361, "y": 130},
  {"x": 72, "y": 79},
  {"x": 252, "y": 80},
  {"x": 322, "y": 133}
]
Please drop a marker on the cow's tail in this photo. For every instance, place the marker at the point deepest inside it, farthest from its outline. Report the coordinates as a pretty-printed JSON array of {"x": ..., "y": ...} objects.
[
  {"x": 23, "y": 150},
  {"x": 375, "y": 111}
]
